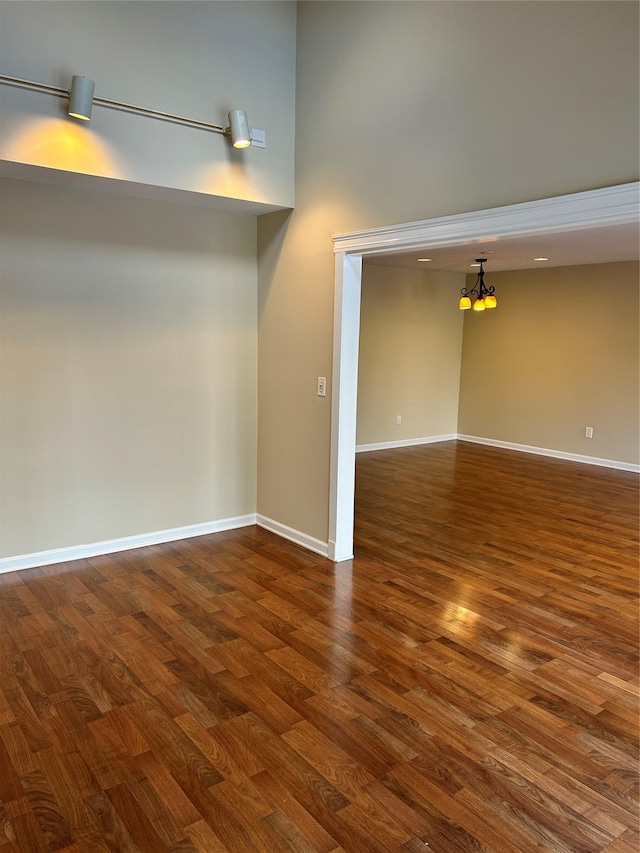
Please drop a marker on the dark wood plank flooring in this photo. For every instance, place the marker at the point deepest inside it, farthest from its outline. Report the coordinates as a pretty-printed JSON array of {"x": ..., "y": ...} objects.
[{"x": 468, "y": 683}]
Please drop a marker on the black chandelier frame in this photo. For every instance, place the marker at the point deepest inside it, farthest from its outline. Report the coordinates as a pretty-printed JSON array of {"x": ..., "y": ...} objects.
[{"x": 479, "y": 289}]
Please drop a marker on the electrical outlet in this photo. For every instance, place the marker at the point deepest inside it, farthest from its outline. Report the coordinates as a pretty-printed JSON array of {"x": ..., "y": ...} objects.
[
  {"x": 588, "y": 432},
  {"x": 398, "y": 419}
]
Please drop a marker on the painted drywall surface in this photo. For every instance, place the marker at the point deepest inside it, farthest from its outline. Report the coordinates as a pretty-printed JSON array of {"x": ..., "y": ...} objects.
[
  {"x": 560, "y": 353},
  {"x": 408, "y": 111},
  {"x": 427, "y": 109},
  {"x": 192, "y": 59},
  {"x": 129, "y": 367},
  {"x": 294, "y": 349},
  {"x": 410, "y": 351}
]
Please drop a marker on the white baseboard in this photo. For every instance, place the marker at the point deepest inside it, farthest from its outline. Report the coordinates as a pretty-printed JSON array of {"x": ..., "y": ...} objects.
[
  {"x": 126, "y": 543},
  {"x": 557, "y": 454},
  {"x": 325, "y": 549},
  {"x": 405, "y": 442},
  {"x": 309, "y": 542},
  {"x": 507, "y": 445}
]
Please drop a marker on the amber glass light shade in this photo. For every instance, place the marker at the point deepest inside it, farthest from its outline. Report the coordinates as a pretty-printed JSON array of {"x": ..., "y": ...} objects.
[
  {"x": 465, "y": 302},
  {"x": 490, "y": 302},
  {"x": 479, "y": 305}
]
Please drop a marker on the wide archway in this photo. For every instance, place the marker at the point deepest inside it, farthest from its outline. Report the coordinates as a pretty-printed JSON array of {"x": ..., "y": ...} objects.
[{"x": 591, "y": 210}]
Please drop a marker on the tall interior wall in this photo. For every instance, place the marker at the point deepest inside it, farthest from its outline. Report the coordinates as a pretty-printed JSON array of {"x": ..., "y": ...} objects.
[
  {"x": 129, "y": 352},
  {"x": 403, "y": 111},
  {"x": 129, "y": 319},
  {"x": 407, "y": 111}
]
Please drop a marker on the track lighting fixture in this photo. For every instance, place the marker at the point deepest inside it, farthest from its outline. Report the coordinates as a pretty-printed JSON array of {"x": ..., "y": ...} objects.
[
  {"x": 81, "y": 100},
  {"x": 483, "y": 295},
  {"x": 81, "y": 97},
  {"x": 239, "y": 129}
]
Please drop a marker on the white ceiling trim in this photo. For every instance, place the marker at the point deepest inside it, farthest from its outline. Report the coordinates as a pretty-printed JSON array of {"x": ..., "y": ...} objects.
[{"x": 616, "y": 205}]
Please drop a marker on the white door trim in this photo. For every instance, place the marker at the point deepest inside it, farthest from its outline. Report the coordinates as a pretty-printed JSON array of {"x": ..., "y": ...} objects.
[
  {"x": 608, "y": 206},
  {"x": 595, "y": 208},
  {"x": 344, "y": 397}
]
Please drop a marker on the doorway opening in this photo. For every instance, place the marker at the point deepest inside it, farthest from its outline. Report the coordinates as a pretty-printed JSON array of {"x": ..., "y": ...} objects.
[{"x": 591, "y": 211}]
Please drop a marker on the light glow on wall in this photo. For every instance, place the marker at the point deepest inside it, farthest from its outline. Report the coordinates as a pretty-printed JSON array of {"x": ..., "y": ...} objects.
[
  {"x": 229, "y": 180},
  {"x": 59, "y": 144}
]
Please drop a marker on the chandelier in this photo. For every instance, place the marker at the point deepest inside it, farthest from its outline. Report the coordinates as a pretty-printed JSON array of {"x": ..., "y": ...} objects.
[{"x": 482, "y": 294}]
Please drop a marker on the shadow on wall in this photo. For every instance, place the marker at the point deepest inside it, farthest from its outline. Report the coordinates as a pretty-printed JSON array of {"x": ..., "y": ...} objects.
[
  {"x": 272, "y": 231},
  {"x": 32, "y": 210}
]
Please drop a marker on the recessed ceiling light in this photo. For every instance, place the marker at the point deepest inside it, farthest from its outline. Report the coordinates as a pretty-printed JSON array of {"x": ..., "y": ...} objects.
[
  {"x": 423, "y": 260},
  {"x": 539, "y": 259}
]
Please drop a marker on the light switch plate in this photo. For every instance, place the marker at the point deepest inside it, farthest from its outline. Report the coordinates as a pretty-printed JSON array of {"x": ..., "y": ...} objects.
[{"x": 258, "y": 138}]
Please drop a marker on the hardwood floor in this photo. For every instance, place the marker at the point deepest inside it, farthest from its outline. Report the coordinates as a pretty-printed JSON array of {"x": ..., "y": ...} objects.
[{"x": 468, "y": 683}]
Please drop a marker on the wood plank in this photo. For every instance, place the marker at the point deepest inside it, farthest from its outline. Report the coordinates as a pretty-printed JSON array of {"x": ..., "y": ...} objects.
[{"x": 467, "y": 684}]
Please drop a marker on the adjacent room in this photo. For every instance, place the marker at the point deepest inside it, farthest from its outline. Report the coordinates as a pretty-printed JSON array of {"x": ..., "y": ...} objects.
[{"x": 535, "y": 376}]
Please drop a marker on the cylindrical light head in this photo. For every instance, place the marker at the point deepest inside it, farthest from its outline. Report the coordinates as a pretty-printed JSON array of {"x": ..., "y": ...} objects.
[
  {"x": 81, "y": 97},
  {"x": 239, "y": 129},
  {"x": 465, "y": 302}
]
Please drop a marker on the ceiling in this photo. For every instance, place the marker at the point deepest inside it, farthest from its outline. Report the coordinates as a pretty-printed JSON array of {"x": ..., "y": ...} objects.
[{"x": 600, "y": 245}]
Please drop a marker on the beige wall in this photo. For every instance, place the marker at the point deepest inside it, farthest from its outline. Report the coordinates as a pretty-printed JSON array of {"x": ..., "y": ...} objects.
[
  {"x": 128, "y": 385},
  {"x": 410, "y": 351},
  {"x": 192, "y": 59},
  {"x": 560, "y": 353},
  {"x": 408, "y": 111},
  {"x": 403, "y": 111},
  {"x": 294, "y": 348},
  {"x": 129, "y": 327}
]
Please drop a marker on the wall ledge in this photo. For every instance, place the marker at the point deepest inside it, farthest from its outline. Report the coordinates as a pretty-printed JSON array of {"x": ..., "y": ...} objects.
[{"x": 132, "y": 189}]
